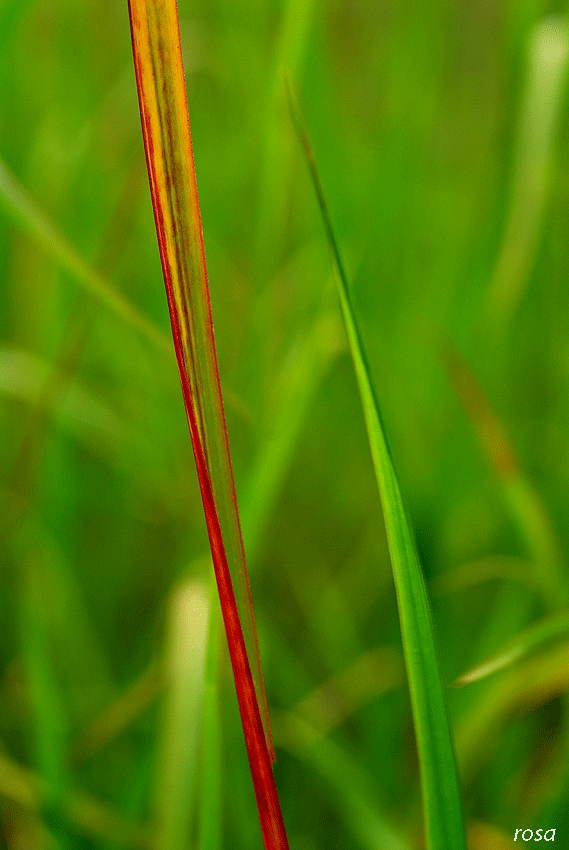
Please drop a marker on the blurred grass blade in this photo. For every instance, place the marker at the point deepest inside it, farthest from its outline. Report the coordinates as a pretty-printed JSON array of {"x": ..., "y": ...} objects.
[
  {"x": 210, "y": 815},
  {"x": 443, "y": 816},
  {"x": 23, "y": 375},
  {"x": 25, "y": 210},
  {"x": 522, "y": 688},
  {"x": 371, "y": 674},
  {"x": 277, "y": 154},
  {"x": 49, "y": 715},
  {"x": 547, "y": 68},
  {"x": 179, "y": 767},
  {"x": 506, "y": 567},
  {"x": 523, "y": 501},
  {"x": 528, "y": 641},
  {"x": 294, "y": 386},
  {"x": 95, "y": 819},
  {"x": 167, "y": 141},
  {"x": 119, "y": 714}
]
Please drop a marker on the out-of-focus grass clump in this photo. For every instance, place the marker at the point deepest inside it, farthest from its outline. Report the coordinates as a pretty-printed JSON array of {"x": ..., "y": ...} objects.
[{"x": 441, "y": 137}]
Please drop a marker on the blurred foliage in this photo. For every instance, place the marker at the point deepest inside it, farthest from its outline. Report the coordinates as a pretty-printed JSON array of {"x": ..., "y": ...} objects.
[{"x": 439, "y": 128}]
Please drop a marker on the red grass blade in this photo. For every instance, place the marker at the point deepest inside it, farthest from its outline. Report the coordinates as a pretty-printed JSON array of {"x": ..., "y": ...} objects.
[{"x": 167, "y": 142}]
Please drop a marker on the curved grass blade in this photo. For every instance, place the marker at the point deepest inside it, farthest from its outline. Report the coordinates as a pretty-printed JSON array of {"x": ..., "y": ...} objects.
[
  {"x": 522, "y": 645},
  {"x": 441, "y": 798},
  {"x": 534, "y": 682},
  {"x": 167, "y": 142}
]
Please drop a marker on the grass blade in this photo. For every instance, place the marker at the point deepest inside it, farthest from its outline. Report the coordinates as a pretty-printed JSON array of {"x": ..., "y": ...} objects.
[
  {"x": 210, "y": 816},
  {"x": 443, "y": 815},
  {"x": 522, "y": 688},
  {"x": 294, "y": 386},
  {"x": 548, "y": 56},
  {"x": 522, "y": 499},
  {"x": 523, "y": 644},
  {"x": 167, "y": 141},
  {"x": 181, "y": 730}
]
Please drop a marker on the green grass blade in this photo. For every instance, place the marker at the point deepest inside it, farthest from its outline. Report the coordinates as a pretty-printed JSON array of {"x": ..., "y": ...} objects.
[
  {"x": 548, "y": 54},
  {"x": 442, "y": 806},
  {"x": 295, "y": 384},
  {"x": 50, "y": 726}
]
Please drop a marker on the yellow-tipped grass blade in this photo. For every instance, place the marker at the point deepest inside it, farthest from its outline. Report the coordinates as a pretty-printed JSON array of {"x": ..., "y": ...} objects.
[{"x": 169, "y": 157}]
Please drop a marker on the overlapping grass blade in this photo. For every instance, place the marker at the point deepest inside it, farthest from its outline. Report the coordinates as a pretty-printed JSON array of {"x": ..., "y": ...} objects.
[
  {"x": 442, "y": 805},
  {"x": 303, "y": 366},
  {"x": 167, "y": 141}
]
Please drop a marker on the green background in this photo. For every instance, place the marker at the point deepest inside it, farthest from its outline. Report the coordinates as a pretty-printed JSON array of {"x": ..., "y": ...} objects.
[{"x": 443, "y": 150}]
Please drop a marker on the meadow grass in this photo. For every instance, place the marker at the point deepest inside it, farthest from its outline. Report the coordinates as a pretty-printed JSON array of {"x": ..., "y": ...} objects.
[{"x": 420, "y": 122}]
